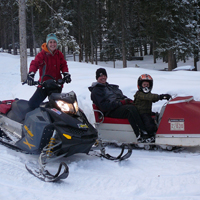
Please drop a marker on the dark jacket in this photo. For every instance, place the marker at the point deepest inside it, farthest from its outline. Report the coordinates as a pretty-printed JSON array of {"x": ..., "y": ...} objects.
[
  {"x": 143, "y": 101},
  {"x": 106, "y": 96}
]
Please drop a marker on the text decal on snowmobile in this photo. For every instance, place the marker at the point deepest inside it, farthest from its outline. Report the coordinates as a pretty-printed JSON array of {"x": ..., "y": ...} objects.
[
  {"x": 28, "y": 144},
  {"x": 82, "y": 125},
  {"x": 177, "y": 124},
  {"x": 56, "y": 111},
  {"x": 28, "y": 131}
]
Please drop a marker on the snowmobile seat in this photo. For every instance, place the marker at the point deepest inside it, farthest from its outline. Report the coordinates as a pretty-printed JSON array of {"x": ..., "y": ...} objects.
[
  {"x": 5, "y": 106},
  {"x": 18, "y": 110},
  {"x": 100, "y": 118}
]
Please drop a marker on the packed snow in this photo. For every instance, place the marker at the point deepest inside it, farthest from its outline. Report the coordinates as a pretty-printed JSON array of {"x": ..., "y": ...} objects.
[{"x": 146, "y": 175}]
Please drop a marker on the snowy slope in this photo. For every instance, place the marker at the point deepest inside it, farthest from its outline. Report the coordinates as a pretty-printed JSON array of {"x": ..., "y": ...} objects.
[{"x": 146, "y": 175}]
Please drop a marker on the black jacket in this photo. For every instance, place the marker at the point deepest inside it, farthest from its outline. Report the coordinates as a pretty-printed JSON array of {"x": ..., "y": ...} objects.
[{"x": 106, "y": 96}]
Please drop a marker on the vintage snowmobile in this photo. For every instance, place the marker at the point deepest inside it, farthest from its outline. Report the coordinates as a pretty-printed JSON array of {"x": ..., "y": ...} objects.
[
  {"x": 178, "y": 126},
  {"x": 58, "y": 128}
]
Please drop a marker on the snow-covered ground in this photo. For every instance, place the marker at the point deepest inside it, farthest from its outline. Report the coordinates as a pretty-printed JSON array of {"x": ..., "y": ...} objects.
[{"x": 146, "y": 175}]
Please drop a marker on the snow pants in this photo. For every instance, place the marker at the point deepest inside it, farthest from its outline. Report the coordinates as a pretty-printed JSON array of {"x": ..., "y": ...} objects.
[
  {"x": 129, "y": 112},
  {"x": 149, "y": 124},
  {"x": 38, "y": 97}
]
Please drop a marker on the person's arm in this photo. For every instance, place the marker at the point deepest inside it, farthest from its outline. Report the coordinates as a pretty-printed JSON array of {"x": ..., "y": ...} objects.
[
  {"x": 148, "y": 97},
  {"x": 104, "y": 104},
  {"x": 36, "y": 63},
  {"x": 63, "y": 63}
]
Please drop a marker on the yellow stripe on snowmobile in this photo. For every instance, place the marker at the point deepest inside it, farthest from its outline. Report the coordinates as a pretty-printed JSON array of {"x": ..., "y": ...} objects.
[
  {"x": 68, "y": 136},
  {"x": 28, "y": 131}
]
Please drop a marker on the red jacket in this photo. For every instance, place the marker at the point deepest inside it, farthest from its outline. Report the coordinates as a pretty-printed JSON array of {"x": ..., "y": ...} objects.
[{"x": 49, "y": 64}]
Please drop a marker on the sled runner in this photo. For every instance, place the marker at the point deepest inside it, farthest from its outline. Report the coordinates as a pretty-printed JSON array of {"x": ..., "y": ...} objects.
[{"x": 178, "y": 125}]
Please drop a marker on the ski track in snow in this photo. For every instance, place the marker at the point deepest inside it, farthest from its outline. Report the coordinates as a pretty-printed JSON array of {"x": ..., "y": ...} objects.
[{"x": 155, "y": 174}]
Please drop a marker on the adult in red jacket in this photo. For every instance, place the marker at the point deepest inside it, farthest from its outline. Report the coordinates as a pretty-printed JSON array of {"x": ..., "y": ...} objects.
[{"x": 50, "y": 61}]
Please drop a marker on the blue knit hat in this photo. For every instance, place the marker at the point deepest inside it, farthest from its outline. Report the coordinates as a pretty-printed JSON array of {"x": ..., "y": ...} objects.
[{"x": 51, "y": 36}]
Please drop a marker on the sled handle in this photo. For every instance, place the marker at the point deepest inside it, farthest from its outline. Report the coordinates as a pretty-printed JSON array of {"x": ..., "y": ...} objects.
[{"x": 101, "y": 117}]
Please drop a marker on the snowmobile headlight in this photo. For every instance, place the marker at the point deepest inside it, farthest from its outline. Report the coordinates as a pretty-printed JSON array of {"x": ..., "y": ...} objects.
[
  {"x": 68, "y": 107},
  {"x": 75, "y": 104}
]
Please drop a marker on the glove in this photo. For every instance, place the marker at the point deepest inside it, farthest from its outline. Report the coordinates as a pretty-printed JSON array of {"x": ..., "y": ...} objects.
[
  {"x": 123, "y": 102},
  {"x": 30, "y": 78},
  {"x": 126, "y": 101},
  {"x": 67, "y": 77},
  {"x": 165, "y": 96}
]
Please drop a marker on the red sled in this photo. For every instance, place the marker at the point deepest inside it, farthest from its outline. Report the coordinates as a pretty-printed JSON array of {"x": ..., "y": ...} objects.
[
  {"x": 5, "y": 106},
  {"x": 178, "y": 125}
]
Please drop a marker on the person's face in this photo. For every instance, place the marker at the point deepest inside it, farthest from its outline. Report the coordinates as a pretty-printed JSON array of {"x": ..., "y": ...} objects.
[
  {"x": 145, "y": 84},
  {"x": 52, "y": 45},
  {"x": 102, "y": 79}
]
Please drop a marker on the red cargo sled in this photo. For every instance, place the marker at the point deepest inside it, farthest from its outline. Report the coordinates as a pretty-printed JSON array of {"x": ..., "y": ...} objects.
[{"x": 178, "y": 125}]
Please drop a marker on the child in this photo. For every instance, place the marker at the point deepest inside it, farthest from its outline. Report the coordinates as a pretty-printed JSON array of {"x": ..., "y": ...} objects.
[{"x": 143, "y": 100}]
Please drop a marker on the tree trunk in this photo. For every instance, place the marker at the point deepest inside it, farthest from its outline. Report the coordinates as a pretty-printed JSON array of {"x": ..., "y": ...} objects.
[
  {"x": 123, "y": 36},
  {"x": 154, "y": 52},
  {"x": 96, "y": 56},
  {"x": 100, "y": 31},
  {"x": 196, "y": 58},
  {"x": 171, "y": 60},
  {"x": 141, "y": 52},
  {"x": 114, "y": 63},
  {"x": 145, "y": 50},
  {"x": 79, "y": 32},
  {"x": 92, "y": 48},
  {"x": 13, "y": 34},
  {"x": 22, "y": 37},
  {"x": 33, "y": 30},
  {"x": 63, "y": 51},
  {"x": 151, "y": 49}
]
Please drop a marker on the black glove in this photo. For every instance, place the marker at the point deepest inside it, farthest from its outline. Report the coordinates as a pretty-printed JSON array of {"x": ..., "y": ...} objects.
[
  {"x": 67, "y": 77},
  {"x": 165, "y": 96},
  {"x": 30, "y": 78}
]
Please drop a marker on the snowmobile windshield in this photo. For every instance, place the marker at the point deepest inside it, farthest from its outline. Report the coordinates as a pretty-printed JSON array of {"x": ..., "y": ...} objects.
[{"x": 67, "y": 102}]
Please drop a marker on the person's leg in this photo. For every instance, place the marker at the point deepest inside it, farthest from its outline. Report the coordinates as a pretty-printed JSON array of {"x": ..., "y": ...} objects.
[
  {"x": 149, "y": 124},
  {"x": 129, "y": 112},
  {"x": 37, "y": 98}
]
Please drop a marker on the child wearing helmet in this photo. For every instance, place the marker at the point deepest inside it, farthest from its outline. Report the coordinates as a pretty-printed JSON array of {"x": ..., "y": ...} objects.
[{"x": 143, "y": 100}]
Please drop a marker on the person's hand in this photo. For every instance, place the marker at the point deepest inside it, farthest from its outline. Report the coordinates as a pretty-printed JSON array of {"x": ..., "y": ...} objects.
[
  {"x": 30, "y": 78},
  {"x": 165, "y": 96},
  {"x": 67, "y": 77}
]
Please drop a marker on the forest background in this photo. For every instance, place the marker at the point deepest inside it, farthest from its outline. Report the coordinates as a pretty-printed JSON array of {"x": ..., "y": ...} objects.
[{"x": 107, "y": 30}]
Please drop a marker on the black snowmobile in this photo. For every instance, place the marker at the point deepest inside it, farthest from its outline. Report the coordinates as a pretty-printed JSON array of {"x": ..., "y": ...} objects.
[{"x": 58, "y": 128}]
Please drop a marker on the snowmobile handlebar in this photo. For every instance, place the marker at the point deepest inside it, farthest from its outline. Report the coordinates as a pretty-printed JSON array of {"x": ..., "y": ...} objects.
[
  {"x": 34, "y": 83},
  {"x": 59, "y": 81}
]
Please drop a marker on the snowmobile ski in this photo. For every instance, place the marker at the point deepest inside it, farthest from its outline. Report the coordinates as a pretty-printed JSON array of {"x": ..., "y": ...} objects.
[
  {"x": 101, "y": 146},
  {"x": 46, "y": 176}
]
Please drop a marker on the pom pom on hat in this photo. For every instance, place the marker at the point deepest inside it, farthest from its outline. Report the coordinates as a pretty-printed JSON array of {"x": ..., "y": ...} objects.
[
  {"x": 51, "y": 36},
  {"x": 100, "y": 72}
]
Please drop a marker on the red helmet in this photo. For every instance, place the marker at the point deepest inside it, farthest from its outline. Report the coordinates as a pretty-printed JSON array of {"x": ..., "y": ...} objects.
[{"x": 147, "y": 78}]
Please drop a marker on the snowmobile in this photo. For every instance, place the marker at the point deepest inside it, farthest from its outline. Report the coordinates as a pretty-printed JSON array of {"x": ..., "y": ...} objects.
[
  {"x": 58, "y": 128},
  {"x": 177, "y": 123}
]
